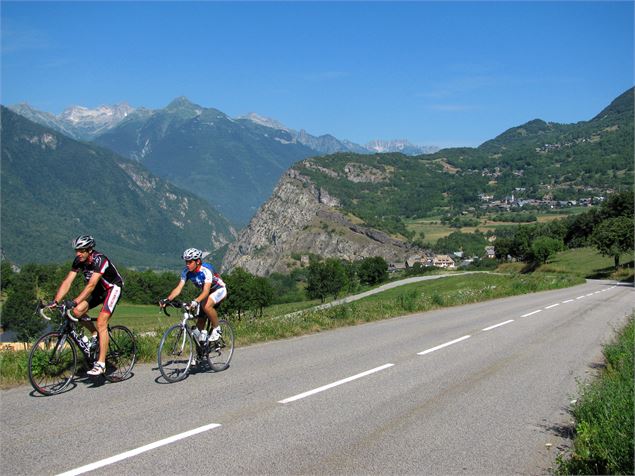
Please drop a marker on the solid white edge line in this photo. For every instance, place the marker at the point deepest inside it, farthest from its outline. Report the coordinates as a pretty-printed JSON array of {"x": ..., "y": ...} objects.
[
  {"x": 443, "y": 345},
  {"x": 334, "y": 384},
  {"x": 141, "y": 449},
  {"x": 497, "y": 325},
  {"x": 552, "y": 306},
  {"x": 580, "y": 297},
  {"x": 531, "y": 313}
]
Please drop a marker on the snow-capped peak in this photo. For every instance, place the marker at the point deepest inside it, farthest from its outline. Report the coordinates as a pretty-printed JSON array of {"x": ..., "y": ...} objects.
[
  {"x": 102, "y": 115},
  {"x": 264, "y": 121}
]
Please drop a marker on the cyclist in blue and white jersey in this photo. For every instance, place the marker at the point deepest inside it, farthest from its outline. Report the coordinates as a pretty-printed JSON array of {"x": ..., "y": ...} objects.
[
  {"x": 209, "y": 282},
  {"x": 103, "y": 286}
]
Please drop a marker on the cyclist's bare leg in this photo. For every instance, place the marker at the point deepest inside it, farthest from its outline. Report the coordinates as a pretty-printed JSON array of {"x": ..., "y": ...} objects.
[
  {"x": 102, "y": 329},
  {"x": 210, "y": 311}
]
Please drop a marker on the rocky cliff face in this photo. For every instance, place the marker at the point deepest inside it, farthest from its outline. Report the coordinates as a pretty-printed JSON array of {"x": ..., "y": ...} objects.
[{"x": 300, "y": 219}]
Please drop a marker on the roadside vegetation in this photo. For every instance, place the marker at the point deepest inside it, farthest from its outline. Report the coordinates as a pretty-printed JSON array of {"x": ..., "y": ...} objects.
[
  {"x": 603, "y": 413},
  {"x": 287, "y": 320}
]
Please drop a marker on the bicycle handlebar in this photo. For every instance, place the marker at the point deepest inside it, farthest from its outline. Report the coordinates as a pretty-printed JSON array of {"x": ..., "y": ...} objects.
[
  {"x": 61, "y": 308},
  {"x": 174, "y": 303}
]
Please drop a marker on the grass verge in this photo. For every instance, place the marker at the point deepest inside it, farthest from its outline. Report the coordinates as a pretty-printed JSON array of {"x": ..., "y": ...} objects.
[{"x": 603, "y": 442}]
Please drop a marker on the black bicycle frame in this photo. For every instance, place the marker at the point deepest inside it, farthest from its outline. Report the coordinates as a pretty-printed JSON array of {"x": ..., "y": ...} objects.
[{"x": 68, "y": 329}]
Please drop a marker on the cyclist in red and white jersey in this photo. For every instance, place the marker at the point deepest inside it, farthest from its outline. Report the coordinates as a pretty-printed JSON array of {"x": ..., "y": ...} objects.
[
  {"x": 211, "y": 286},
  {"x": 103, "y": 286}
]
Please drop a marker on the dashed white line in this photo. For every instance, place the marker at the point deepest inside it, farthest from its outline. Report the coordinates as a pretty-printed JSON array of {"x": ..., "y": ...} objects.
[
  {"x": 443, "y": 345},
  {"x": 568, "y": 300},
  {"x": 531, "y": 313},
  {"x": 334, "y": 384},
  {"x": 497, "y": 325},
  {"x": 142, "y": 449},
  {"x": 552, "y": 306},
  {"x": 580, "y": 297}
]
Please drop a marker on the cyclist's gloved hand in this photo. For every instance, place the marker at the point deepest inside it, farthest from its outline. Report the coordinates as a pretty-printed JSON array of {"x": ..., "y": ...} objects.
[
  {"x": 70, "y": 304},
  {"x": 194, "y": 306},
  {"x": 163, "y": 302}
]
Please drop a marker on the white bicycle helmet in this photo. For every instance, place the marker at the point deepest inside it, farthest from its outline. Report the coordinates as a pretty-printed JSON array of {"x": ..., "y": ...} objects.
[
  {"x": 192, "y": 253},
  {"x": 83, "y": 242}
]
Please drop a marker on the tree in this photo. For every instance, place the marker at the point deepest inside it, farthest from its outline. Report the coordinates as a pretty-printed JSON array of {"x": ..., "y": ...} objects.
[
  {"x": 544, "y": 247},
  {"x": 6, "y": 274},
  {"x": 337, "y": 278},
  {"x": 317, "y": 286},
  {"x": 373, "y": 270},
  {"x": 261, "y": 292},
  {"x": 618, "y": 204},
  {"x": 18, "y": 312},
  {"x": 239, "y": 286},
  {"x": 613, "y": 237}
]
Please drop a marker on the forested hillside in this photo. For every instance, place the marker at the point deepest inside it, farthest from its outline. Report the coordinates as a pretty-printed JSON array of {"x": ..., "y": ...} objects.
[
  {"x": 538, "y": 160},
  {"x": 54, "y": 188}
]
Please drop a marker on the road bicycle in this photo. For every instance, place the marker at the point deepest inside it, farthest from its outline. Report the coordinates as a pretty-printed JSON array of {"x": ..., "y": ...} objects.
[
  {"x": 180, "y": 348},
  {"x": 53, "y": 358}
]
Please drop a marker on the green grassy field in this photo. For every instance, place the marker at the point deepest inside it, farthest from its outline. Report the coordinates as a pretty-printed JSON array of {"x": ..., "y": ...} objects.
[
  {"x": 433, "y": 229},
  {"x": 587, "y": 262}
]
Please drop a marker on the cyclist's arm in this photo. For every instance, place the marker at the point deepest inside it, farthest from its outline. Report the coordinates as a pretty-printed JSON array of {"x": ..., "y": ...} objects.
[
  {"x": 88, "y": 289},
  {"x": 65, "y": 286},
  {"x": 176, "y": 291}
]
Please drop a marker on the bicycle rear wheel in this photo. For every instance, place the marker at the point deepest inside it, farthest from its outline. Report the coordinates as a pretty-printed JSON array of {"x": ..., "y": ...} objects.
[
  {"x": 52, "y": 363},
  {"x": 175, "y": 353},
  {"x": 122, "y": 354},
  {"x": 221, "y": 351}
]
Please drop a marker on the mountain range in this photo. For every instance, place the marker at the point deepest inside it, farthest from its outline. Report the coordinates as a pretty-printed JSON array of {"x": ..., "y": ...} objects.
[
  {"x": 233, "y": 163},
  {"x": 155, "y": 182},
  {"x": 55, "y": 188}
]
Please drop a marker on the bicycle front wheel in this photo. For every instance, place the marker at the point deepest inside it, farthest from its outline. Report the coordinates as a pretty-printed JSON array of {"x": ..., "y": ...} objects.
[
  {"x": 52, "y": 363},
  {"x": 175, "y": 353},
  {"x": 221, "y": 351},
  {"x": 122, "y": 354}
]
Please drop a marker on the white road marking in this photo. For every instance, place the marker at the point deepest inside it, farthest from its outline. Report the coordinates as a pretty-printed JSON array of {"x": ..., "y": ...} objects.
[
  {"x": 334, "y": 384},
  {"x": 142, "y": 449},
  {"x": 590, "y": 294},
  {"x": 443, "y": 345},
  {"x": 531, "y": 313},
  {"x": 497, "y": 325},
  {"x": 580, "y": 297},
  {"x": 553, "y": 305},
  {"x": 568, "y": 300}
]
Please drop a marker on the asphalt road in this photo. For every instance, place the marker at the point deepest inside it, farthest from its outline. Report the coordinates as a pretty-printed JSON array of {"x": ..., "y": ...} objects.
[{"x": 477, "y": 389}]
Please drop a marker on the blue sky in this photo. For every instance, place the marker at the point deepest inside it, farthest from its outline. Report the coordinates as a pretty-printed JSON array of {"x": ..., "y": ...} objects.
[{"x": 435, "y": 73}]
